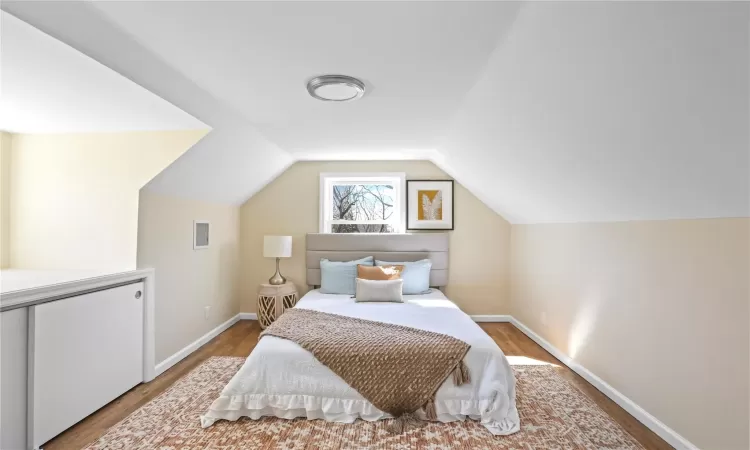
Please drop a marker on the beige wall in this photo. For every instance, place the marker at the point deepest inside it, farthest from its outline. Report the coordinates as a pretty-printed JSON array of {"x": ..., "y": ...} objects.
[
  {"x": 479, "y": 254},
  {"x": 188, "y": 280},
  {"x": 659, "y": 310},
  {"x": 74, "y": 197},
  {"x": 6, "y": 140}
]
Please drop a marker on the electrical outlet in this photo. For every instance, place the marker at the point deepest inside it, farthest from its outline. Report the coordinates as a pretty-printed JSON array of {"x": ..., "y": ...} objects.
[
  {"x": 544, "y": 318},
  {"x": 207, "y": 311}
]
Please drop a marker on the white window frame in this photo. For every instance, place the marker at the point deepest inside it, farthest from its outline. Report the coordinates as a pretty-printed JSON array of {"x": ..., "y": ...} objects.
[{"x": 397, "y": 179}]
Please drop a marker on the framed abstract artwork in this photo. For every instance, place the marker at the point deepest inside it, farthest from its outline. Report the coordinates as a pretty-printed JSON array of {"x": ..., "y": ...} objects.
[{"x": 429, "y": 204}]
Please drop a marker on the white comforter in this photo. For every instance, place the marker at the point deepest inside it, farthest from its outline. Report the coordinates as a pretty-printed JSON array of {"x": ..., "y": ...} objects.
[{"x": 281, "y": 379}]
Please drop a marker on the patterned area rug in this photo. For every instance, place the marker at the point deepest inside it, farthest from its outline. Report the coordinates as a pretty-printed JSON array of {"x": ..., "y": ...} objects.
[{"x": 554, "y": 415}]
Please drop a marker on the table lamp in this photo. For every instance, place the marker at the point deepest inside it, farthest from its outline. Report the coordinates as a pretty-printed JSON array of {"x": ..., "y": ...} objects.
[{"x": 277, "y": 247}]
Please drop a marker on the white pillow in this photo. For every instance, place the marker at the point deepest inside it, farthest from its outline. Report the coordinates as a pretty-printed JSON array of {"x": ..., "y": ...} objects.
[{"x": 379, "y": 290}]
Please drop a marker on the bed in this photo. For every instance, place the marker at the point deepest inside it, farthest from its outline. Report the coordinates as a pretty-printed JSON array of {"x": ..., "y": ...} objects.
[{"x": 281, "y": 379}]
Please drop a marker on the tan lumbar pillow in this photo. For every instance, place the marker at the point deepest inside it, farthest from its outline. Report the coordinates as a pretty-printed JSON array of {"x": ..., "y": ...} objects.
[
  {"x": 391, "y": 272},
  {"x": 380, "y": 290}
]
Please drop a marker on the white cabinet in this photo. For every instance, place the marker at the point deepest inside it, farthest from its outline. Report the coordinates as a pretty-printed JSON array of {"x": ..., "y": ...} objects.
[
  {"x": 66, "y": 350},
  {"x": 86, "y": 351},
  {"x": 13, "y": 376}
]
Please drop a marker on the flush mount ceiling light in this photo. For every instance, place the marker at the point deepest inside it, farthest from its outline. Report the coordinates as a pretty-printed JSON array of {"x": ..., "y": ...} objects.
[{"x": 335, "y": 88}]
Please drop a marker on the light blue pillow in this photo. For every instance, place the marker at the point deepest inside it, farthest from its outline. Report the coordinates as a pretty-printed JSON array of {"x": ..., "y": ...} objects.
[
  {"x": 416, "y": 275},
  {"x": 340, "y": 277}
]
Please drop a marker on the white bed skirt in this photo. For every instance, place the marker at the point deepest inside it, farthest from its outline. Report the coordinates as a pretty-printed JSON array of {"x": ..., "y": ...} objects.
[{"x": 347, "y": 411}]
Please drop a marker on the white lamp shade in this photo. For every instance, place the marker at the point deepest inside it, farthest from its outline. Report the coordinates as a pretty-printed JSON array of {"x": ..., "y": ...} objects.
[{"x": 277, "y": 246}]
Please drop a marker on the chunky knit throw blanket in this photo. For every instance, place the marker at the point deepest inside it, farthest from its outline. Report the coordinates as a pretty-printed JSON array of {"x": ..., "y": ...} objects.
[{"x": 398, "y": 369}]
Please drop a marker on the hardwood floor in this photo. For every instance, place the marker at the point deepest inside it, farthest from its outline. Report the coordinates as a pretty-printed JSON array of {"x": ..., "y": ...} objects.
[{"x": 240, "y": 339}]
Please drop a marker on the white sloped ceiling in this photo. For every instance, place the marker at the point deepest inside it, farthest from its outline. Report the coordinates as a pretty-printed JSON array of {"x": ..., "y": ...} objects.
[
  {"x": 547, "y": 111},
  {"x": 228, "y": 165},
  {"x": 611, "y": 111},
  {"x": 49, "y": 87}
]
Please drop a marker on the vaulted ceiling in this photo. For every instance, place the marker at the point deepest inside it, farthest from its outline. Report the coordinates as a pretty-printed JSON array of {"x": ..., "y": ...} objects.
[{"x": 547, "y": 111}]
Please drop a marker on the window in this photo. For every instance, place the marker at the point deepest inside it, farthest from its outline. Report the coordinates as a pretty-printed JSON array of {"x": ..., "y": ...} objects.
[{"x": 362, "y": 203}]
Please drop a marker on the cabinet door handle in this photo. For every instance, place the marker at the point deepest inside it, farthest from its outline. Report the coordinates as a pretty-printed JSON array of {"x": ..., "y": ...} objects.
[{"x": 138, "y": 294}]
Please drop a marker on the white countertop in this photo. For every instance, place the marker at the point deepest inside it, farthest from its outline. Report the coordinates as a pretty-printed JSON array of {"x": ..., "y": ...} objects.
[
  {"x": 26, "y": 287},
  {"x": 19, "y": 279}
]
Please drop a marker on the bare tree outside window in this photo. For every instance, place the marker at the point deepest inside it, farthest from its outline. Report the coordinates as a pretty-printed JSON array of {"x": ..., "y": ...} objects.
[{"x": 362, "y": 203}]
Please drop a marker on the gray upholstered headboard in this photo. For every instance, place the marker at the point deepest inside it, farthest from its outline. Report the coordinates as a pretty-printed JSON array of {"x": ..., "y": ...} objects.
[{"x": 386, "y": 247}]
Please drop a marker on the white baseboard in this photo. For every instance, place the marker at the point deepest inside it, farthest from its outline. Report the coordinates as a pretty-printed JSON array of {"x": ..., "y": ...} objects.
[
  {"x": 248, "y": 316},
  {"x": 491, "y": 318},
  {"x": 195, "y": 345},
  {"x": 672, "y": 437}
]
